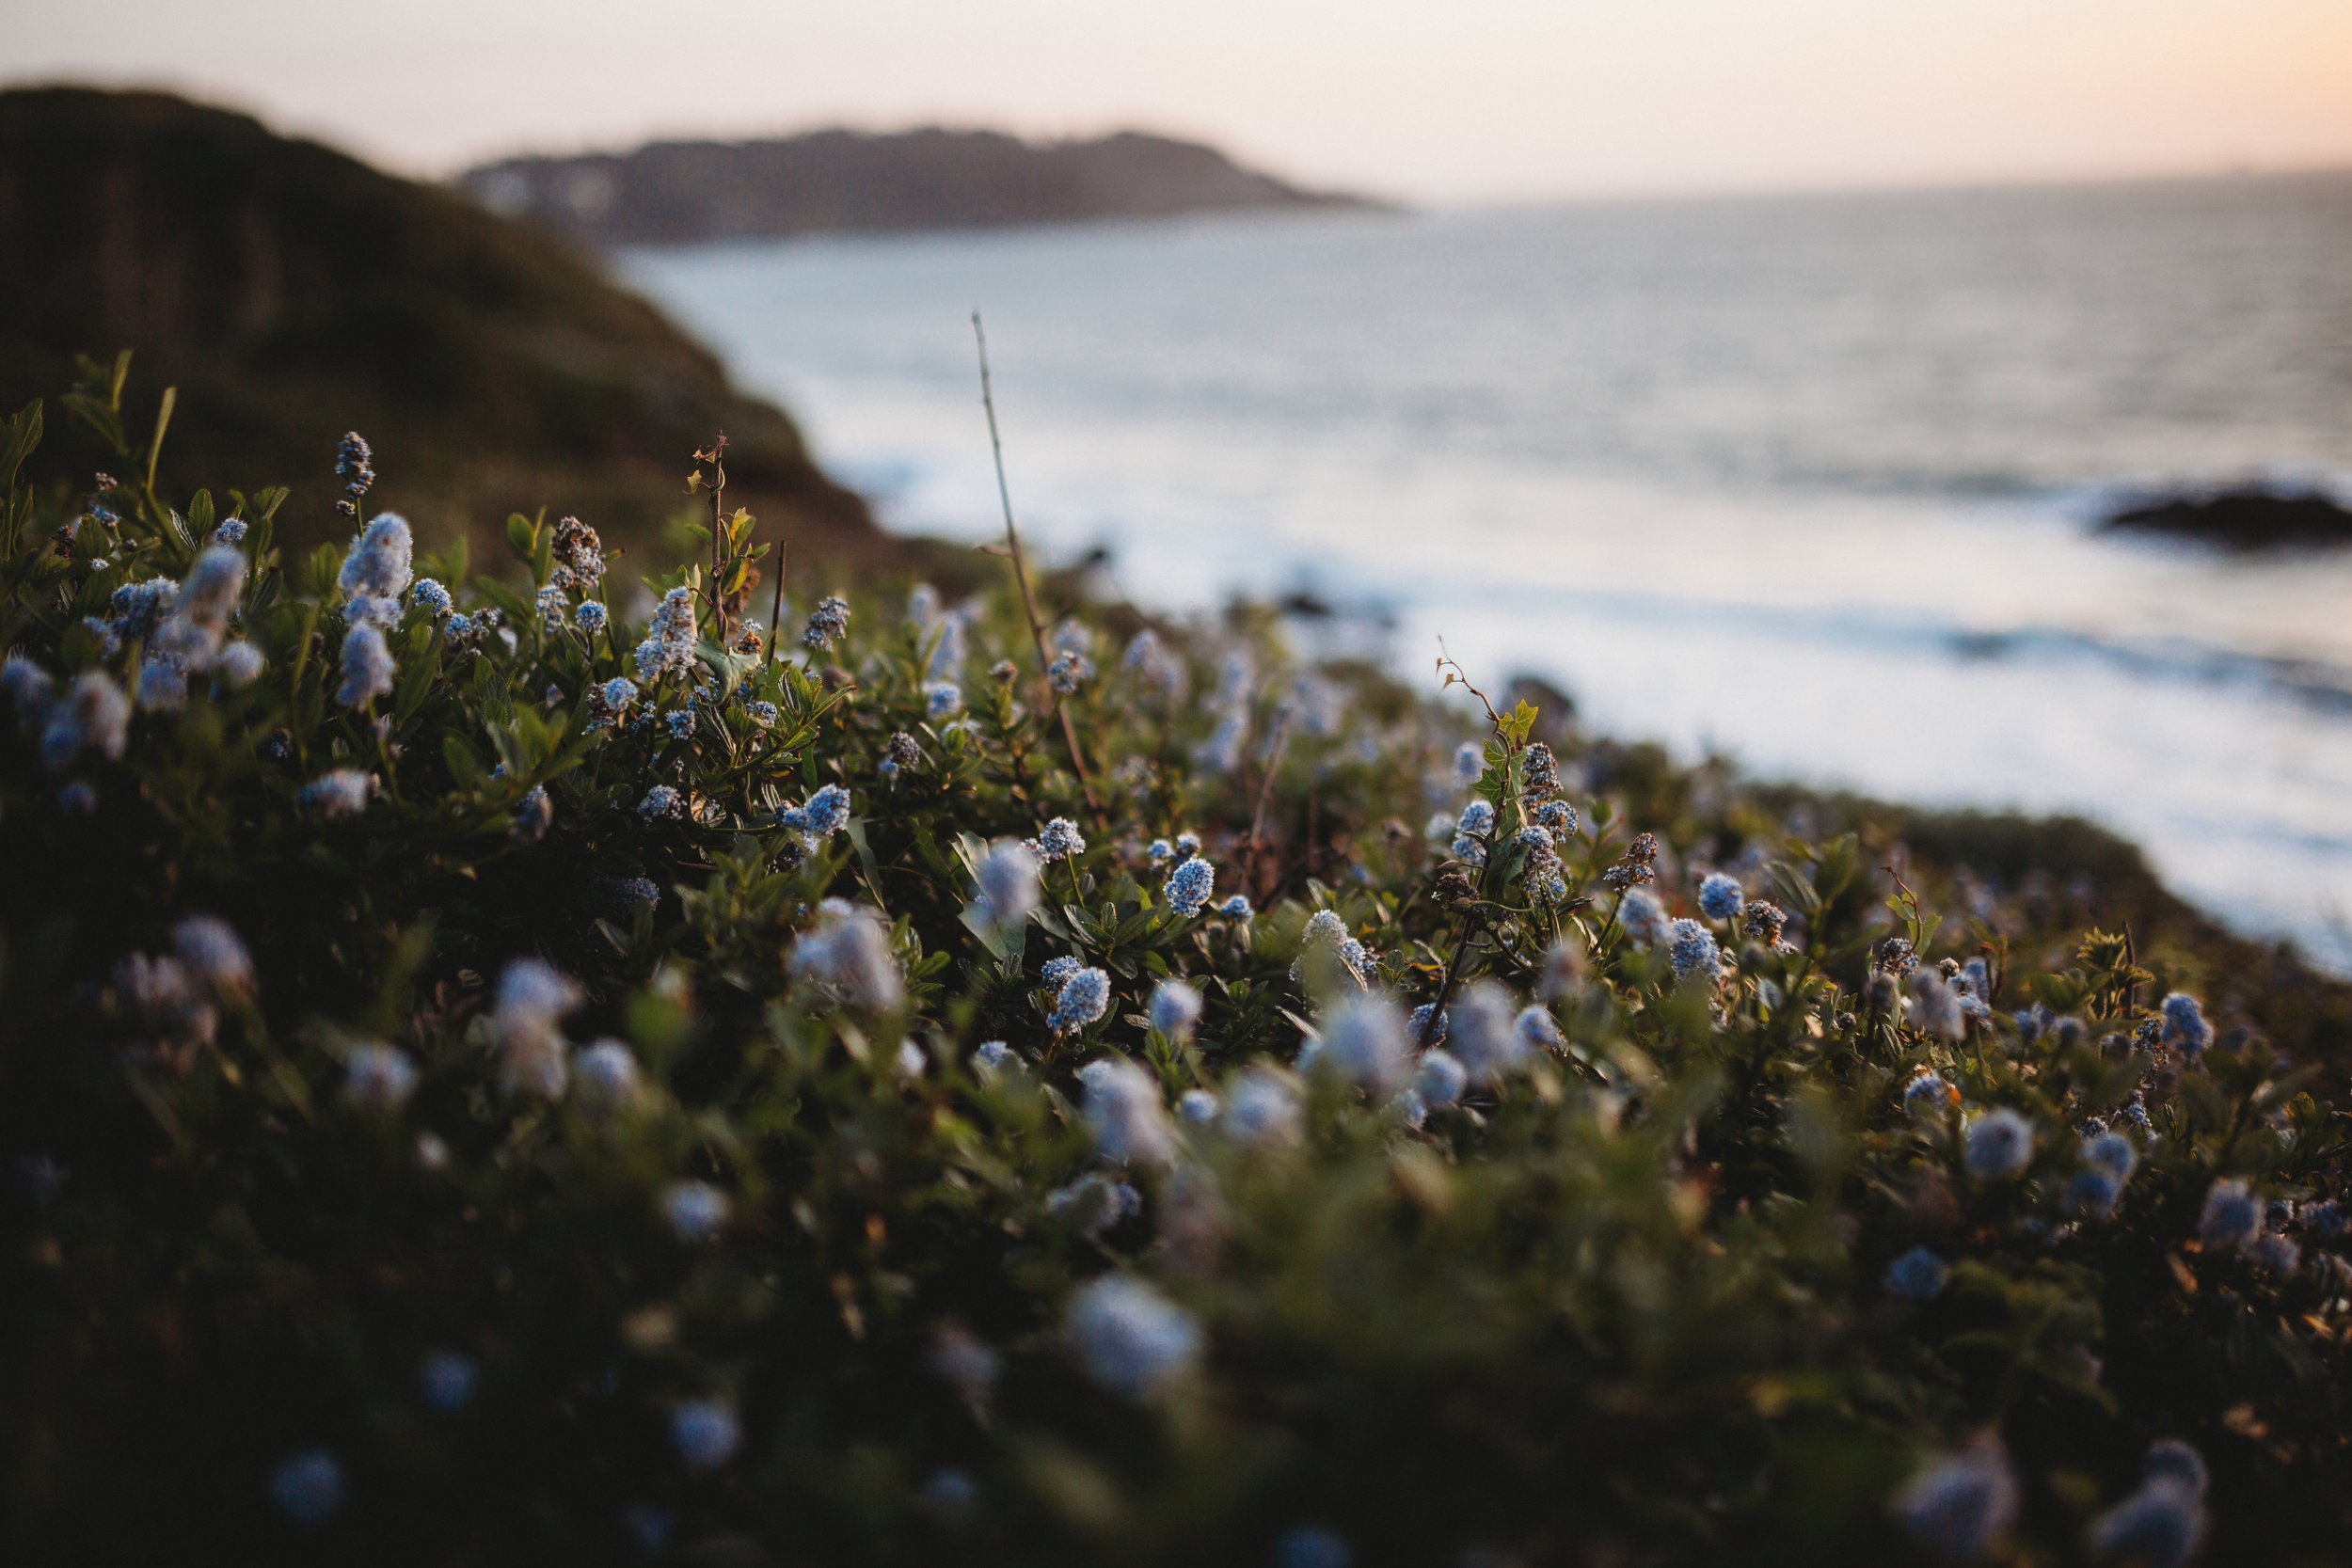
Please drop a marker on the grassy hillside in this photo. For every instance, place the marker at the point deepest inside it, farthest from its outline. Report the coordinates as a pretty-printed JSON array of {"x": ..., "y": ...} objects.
[{"x": 290, "y": 292}]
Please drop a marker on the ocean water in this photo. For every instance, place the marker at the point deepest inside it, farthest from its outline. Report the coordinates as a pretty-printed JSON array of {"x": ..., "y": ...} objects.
[{"x": 1806, "y": 481}]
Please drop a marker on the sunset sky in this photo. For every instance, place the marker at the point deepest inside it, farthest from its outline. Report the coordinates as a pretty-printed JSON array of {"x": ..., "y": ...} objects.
[{"x": 1462, "y": 100}]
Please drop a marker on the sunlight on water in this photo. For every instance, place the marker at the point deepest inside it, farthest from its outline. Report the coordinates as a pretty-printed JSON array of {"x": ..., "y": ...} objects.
[{"x": 1806, "y": 481}]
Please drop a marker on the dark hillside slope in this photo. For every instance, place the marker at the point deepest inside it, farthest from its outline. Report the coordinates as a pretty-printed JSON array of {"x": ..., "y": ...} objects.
[
  {"x": 292, "y": 293},
  {"x": 845, "y": 181}
]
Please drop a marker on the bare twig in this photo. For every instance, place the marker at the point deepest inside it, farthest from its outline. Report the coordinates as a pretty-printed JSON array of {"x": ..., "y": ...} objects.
[
  {"x": 2131, "y": 972},
  {"x": 718, "y": 486},
  {"x": 1457, "y": 677},
  {"x": 775, "y": 616},
  {"x": 1265, "y": 788},
  {"x": 1021, "y": 572}
]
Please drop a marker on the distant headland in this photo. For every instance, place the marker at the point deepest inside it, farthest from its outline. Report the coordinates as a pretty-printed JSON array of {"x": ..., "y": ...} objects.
[{"x": 850, "y": 181}]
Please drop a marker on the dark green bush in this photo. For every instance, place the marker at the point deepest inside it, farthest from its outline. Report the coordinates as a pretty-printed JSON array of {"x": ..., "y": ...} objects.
[{"x": 565, "y": 1179}]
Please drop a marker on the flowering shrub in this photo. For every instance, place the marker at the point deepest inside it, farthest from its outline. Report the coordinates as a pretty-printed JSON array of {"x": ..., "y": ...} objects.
[{"x": 561, "y": 1081}]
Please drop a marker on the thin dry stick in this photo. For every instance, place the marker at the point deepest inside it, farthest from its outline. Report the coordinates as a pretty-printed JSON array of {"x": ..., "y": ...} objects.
[
  {"x": 1454, "y": 675},
  {"x": 775, "y": 617},
  {"x": 718, "y": 530},
  {"x": 1021, "y": 573},
  {"x": 1265, "y": 788}
]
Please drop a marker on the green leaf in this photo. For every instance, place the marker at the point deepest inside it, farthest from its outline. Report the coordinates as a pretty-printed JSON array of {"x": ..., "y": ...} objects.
[
  {"x": 318, "y": 856},
  {"x": 521, "y": 538},
  {"x": 465, "y": 763},
  {"x": 732, "y": 668},
  {"x": 511, "y": 750},
  {"x": 856, "y": 829},
  {"x": 516, "y": 608},
  {"x": 101, "y": 418},
  {"x": 537, "y": 739},
  {"x": 22, "y": 435},
  {"x": 2054, "y": 991},
  {"x": 418, "y": 666},
  {"x": 2117, "y": 1083},
  {"x": 928, "y": 848},
  {"x": 2275, "y": 1095},
  {"x": 1003, "y": 943},
  {"x": 1836, "y": 868},
  {"x": 326, "y": 564},
  {"x": 155, "y": 443},
  {"x": 2203, "y": 1103},
  {"x": 1795, "y": 890}
]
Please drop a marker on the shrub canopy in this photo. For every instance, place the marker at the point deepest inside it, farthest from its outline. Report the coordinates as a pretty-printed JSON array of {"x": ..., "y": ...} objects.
[{"x": 495, "y": 1071}]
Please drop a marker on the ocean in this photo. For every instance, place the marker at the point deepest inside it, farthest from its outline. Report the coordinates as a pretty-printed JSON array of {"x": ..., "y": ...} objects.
[{"x": 1808, "y": 481}]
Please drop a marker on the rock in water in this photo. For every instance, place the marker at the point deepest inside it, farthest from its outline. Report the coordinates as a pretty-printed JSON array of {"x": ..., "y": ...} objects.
[{"x": 2248, "y": 518}]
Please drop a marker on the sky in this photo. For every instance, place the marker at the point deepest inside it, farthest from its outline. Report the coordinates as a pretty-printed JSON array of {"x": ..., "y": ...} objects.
[{"x": 1464, "y": 100}]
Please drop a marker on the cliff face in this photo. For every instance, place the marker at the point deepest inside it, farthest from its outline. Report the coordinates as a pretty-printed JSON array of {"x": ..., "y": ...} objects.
[
  {"x": 292, "y": 293},
  {"x": 831, "y": 182}
]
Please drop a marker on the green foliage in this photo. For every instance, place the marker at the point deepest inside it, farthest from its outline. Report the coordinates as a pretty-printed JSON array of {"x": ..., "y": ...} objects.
[{"x": 1624, "y": 1299}]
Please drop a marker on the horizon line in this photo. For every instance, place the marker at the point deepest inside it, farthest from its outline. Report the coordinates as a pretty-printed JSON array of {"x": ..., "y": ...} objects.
[{"x": 447, "y": 173}]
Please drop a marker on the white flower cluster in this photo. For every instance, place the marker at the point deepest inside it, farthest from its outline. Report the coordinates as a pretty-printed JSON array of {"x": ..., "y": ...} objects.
[{"x": 847, "y": 953}]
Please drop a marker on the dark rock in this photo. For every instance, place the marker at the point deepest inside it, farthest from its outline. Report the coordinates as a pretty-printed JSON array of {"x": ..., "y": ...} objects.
[
  {"x": 2248, "y": 518},
  {"x": 1306, "y": 604}
]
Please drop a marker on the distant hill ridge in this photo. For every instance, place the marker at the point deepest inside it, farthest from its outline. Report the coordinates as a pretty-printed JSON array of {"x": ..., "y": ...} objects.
[{"x": 844, "y": 181}]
